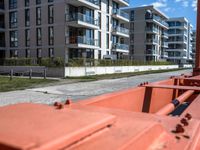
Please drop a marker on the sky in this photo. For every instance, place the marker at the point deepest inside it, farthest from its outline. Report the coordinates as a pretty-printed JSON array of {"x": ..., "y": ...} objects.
[{"x": 172, "y": 8}]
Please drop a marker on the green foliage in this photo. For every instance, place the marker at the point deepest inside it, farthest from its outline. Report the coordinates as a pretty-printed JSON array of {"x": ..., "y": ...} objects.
[
  {"x": 80, "y": 62},
  {"x": 48, "y": 62}
]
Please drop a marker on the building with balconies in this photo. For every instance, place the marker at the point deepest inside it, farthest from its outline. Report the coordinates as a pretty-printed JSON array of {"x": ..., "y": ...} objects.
[
  {"x": 148, "y": 34},
  {"x": 179, "y": 41},
  {"x": 65, "y": 28},
  {"x": 193, "y": 45}
]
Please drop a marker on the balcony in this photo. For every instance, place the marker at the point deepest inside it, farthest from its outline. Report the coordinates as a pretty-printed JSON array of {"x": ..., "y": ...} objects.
[
  {"x": 118, "y": 14},
  {"x": 122, "y": 3},
  {"x": 120, "y": 31},
  {"x": 177, "y": 41},
  {"x": 120, "y": 47},
  {"x": 151, "y": 52},
  {"x": 92, "y": 4},
  {"x": 83, "y": 42},
  {"x": 165, "y": 35},
  {"x": 159, "y": 21},
  {"x": 164, "y": 55},
  {"x": 81, "y": 20},
  {"x": 151, "y": 30},
  {"x": 151, "y": 41},
  {"x": 165, "y": 44}
]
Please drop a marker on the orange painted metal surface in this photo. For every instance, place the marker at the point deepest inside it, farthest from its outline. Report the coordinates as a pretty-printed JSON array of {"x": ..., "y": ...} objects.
[{"x": 131, "y": 119}]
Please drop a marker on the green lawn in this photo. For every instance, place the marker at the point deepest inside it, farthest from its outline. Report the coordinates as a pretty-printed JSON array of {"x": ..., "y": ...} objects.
[{"x": 20, "y": 83}]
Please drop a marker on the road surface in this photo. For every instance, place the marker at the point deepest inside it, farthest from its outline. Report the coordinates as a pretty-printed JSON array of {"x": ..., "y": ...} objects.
[{"x": 81, "y": 90}]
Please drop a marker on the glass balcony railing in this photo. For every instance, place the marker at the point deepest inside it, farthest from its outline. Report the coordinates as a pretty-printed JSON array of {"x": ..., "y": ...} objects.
[
  {"x": 83, "y": 18},
  {"x": 83, "y": 40},
  {"x": 160, "y": 20},
  {"x": 165, "y": 34},
  {"x": 150, "y": 52},
  {"x": 121, "y": 13},
  {"x": 151, "y": 40},
  {"x": 121, "y": 30},
  {"x": 96, "y": 2},
  {"x": 165, "y": 44},
  {"x": 121, "y": 46},
  {"x": 149, "y": 29}
]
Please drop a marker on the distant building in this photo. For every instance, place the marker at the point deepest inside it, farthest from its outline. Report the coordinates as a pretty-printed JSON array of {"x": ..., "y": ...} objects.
[
  {"x": 63, "y": 28},
  {"x": 179, "y": 42},
  {"x": 148, "y": 34},
  {"x": 193, "y": 45}
]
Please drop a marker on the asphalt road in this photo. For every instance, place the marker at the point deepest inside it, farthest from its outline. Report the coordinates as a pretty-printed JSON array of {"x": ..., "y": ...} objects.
[{"x": 81, "y": 90}]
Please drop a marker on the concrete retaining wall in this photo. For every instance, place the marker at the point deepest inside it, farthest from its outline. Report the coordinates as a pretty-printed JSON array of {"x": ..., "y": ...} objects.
[{"x": 88, "y": 71}]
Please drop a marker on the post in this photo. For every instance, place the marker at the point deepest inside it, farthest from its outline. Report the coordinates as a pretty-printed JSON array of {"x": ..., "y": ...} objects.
[
  {"x": 45, "y": 73},
  {"x": 196, "y": 70},
  {"x": 11, "y": 74},
  {"x": 30, "y": 74}
]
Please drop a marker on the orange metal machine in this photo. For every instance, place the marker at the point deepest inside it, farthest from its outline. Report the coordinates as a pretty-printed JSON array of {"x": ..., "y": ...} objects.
[{"x": 154, "y": 116}]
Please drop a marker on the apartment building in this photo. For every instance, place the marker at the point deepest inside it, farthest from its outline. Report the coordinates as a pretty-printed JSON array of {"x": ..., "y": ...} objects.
[
  {"x": 179, "y": 42},
  {"x": 63, "y": 28},
  {"x": 148, "y": 34},
  {"x": 193, "y": 45}
]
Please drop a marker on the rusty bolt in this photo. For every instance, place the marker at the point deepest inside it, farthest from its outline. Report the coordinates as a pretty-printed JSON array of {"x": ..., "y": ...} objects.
[
  {"x": 184, "y": 122},
  {"x": 56, "y": 103},
  {"x": 188, "y": 116},
  {"x": 68, "y": 102},
  {"x": 179, "y": 128},
  {"x": 60, "y": 106}
]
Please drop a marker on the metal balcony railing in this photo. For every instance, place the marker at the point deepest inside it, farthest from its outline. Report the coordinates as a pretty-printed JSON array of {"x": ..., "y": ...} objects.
[
  {"x": 121, "y": 13},
  {"x": 121, "y": 30},
  {"x": 83, "y": 18},
  {"x": 121, "y": 46},
  {"x": 83, "y": 40}
]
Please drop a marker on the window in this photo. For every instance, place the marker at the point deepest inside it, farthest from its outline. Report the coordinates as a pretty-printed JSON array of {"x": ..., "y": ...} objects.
[
  {"x": 28, "y": 53},
  {"x": 99, "y": 20},
  {"x": 12, "y": 4},
  {"x": 13, "y": 53},
  {"x": 107, "y": 41},
  {"x": 39, "y": 53},
  {"x": 38, "y": 2},
  {"x": 27, "y": 36},
  {"x": 108, "y": 6},
  {"x": 50, "y": 14},
  {"x": 99, "y": 39},
  {"x": 51, "y": 52},
  {"x": 50, "y": 0},
  {"x": 26, "y": 3},
  {"x": 27, "y": 17},
  {"x": 51, "y": 35},
  {"x": 13, "y": 19},
  {"x": 13, "y": 38},
  {"x": 39, "y": 36},
  {"x": 38, "y": 16},
  {"x": 132, "y": 17},
  {"x": 99, "y": 54},
  {"x": 107, "y": 23}
]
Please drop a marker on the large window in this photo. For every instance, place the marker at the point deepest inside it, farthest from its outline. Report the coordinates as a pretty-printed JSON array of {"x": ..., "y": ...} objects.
[
  {"x": 38, "y": 2},
  {"x": 38, "y": 16},
  {"x": 51, "y": 35},
  {"x": 13, "y": 38},
  {"x": 27, "y": 17},
  {"x": 27, "y": 36},
  {"x": 39, "y": 36},
  {"x": 50, "y": 14},
  {"x": 12, "y": 4},
  {"x": 26, "y": 3},
  {"x": 13, "y": 19}
]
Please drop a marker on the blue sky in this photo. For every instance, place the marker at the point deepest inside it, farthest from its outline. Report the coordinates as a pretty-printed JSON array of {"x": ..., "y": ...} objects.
[{"x": 172, "y": 8}]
